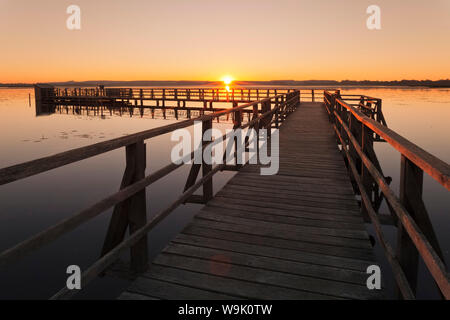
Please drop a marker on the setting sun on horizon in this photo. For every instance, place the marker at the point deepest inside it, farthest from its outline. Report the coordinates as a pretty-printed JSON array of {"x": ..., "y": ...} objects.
[{"x": 227, "y": 80}]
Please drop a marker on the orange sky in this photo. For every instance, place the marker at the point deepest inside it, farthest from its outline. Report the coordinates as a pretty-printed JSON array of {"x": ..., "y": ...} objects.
[{"x": 206, "y": 39}]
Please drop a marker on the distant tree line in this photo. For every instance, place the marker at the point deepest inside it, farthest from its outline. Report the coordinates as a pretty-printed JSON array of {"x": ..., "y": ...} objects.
[{"x": 405, "y": 83}]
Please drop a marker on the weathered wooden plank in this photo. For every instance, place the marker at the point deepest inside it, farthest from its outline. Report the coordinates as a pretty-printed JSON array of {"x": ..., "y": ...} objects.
[
  {"x": 306, "y": 189},
  {"x": 259, "y": 248},
  {"x": 167, "y": 290},
  {"x": 307, "y": 213},
  {"x": 339, "y": 251},
  {"x": 279, "y": 226},
  {"x": 288, "y": 199},
  {"x": 286, "y": 219},
  {"x": 266, "y": 277},
  {"x": 274, "y": 264},
  {"x": 284, "y": 234},
  {"x": 319, "y": 195},
  {"x": 292, "y": 181},
  {"x": 134, "y": 296},
  {"x": 229, "y": 286},
  {"x": 314, "y": 208}
]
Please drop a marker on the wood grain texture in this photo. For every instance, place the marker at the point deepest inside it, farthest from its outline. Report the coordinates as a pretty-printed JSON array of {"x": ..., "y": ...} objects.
[{"x": 305, "y": 239}]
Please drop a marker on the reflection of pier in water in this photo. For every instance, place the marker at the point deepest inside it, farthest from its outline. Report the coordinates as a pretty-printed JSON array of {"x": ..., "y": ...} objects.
[{"x": 163, "y": 103}]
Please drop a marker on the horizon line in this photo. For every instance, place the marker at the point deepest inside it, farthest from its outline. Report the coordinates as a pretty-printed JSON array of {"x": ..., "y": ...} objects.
[{"x": 219, "y": 81}]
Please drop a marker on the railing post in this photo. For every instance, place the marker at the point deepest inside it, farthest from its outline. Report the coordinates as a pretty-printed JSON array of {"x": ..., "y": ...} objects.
[
  {"x": 137, "y": 216},
  {"x": 411, "y": 186},
  {"x": 312, "y": 95},
  {"x": 256, "y": 128},
  {"x": 206, "y": 168},
  {"x": 131, "y": 213},
  {"x": 411, "y": 177},
  {"x": 237, "y": 115},
  {"x": 277, "y": 112},
  {"x": 366, "y": 177}
]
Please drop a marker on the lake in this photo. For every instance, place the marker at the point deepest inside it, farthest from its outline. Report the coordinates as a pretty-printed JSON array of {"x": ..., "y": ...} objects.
[{"x": 30, "y": 205}]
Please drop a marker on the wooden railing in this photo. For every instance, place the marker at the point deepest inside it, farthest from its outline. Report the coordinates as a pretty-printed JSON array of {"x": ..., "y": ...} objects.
[
  {"x": 130, "y": 201},
  {"x": 173, "y": 94},
  {"x": 370, "y": 106},
  {"x": 356, "y": 129},
  {"x": 179, "y": 102},
  {"x": 186, "y": 94}
]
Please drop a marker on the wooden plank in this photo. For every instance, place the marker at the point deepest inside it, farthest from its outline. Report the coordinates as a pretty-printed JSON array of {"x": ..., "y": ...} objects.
[
  {"x": 310, "y": 214},
  {"x": 234, "y": 287},
  {"x": 252, "y": 260},
  {"x": 285, "y": 234},
  {"x": 314, "y": 208},
  {"x": 259, "y": 248},
  {"x": 290, "y": 180},
  {"x": 266, "y": 277},
  {"x": 255, "y": 215},
  {"x": 134, "y": 296},
  {"x": 305, "y": 189},
  {"x": 287, "y": 199},
  {"x": 319, "y": 195},
  {"x": 284, "y": 227},
  {"x": 339, "y": 251},
  {"x": 167, "y": 290}
]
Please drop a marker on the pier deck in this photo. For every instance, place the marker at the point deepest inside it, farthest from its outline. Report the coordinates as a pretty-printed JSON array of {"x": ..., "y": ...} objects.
[
  {"x": 295, "y": 235},
  {"x": 299, "y": 234}
]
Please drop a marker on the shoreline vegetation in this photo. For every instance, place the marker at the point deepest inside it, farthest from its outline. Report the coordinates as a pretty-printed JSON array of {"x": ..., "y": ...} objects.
[{"x": 365, "y": 83}]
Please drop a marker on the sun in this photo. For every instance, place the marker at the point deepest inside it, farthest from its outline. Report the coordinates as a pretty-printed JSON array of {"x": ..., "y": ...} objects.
[{"x": 227, "y": 80}]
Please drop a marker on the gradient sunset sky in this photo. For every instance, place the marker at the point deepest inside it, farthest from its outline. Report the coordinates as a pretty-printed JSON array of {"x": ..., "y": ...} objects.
[{"x": 207, "y": 39}]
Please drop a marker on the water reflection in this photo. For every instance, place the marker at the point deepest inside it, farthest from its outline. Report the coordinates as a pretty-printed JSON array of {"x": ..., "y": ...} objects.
[{"x": 29, "y": 206}]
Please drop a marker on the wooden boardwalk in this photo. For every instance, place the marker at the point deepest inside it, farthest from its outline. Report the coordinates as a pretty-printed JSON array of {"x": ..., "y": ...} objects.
[{"x": 295, "y": 235}]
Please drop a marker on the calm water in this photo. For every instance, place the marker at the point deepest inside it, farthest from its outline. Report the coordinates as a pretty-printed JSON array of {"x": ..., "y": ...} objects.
[{"x": 30, "y": 205}]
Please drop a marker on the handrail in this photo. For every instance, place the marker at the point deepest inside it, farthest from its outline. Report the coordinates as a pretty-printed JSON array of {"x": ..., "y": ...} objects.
[
  {"x": 432, "y": 165},
  {"x": 284, "y": 103},
  {"x": 101, "y": 264},
  {"x": 30, "y": 168},
  {"x": 344, "y": 116}
]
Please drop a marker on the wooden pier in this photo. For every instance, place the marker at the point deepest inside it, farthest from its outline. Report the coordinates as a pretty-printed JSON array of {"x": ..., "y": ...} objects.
[
  {"x": 299, "y": 234},
  {"x": 175, "y": 103},
  {"x": 295, "y": 235}
]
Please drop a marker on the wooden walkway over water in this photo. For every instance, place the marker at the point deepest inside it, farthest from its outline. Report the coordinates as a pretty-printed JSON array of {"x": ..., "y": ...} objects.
[
  {"x": 295, "y": 235},
  {"x": 298, "y": 234}
]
